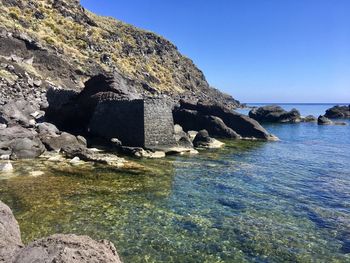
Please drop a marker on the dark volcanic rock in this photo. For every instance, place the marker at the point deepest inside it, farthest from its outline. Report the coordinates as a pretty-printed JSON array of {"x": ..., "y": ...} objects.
[
  {"x": 322, "y": 120},
  {"x": 275, "y": 114},
  {"x": 338, "y": 112},
  {"x": 203, "y": 140},
  {"x": 53, "y": 249},
  {"x": 192, "y": 120},
  {"x": 20, "y": 143},
  {"x": 219, "y": 120}
]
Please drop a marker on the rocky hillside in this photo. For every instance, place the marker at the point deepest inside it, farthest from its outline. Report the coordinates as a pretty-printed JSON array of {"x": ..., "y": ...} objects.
[{"x": 58, "y": 43}]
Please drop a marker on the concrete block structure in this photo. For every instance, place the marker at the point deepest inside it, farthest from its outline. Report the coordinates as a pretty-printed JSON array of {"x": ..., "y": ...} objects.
[{"x": 146, "y": 123}]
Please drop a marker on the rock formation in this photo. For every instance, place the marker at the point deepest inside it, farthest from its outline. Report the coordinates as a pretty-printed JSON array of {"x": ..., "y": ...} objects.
[
  {"x": 322, "y": 120},
  {"x": 56, "y": 248},
  {"x": 218, "y": 120},
  {"x": 275, "y": 114},
  {"x": 338, "y": 112}
]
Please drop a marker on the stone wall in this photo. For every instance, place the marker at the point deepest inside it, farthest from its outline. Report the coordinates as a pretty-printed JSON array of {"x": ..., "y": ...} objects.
[{"x": 158, "y": 123}]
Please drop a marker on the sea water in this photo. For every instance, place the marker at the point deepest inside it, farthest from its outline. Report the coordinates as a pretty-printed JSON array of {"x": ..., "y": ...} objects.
[{"x": 285, "y": 201}]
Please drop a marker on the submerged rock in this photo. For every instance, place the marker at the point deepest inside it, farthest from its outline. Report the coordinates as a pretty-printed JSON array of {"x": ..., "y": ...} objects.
[
  {"x": 56, "y": 248},
  {"x": 275, "y": 114}
]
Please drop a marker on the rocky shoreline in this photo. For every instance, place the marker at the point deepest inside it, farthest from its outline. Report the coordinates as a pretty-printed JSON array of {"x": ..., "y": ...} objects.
[{"x": 107, "y": 118}]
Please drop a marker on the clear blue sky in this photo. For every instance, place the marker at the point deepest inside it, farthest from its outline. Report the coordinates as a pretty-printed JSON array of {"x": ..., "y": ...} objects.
[{"x": 255, "y": 50}]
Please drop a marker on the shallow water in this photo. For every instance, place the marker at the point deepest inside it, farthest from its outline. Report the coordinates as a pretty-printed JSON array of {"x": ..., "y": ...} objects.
[{"x": 286, "y": 201}]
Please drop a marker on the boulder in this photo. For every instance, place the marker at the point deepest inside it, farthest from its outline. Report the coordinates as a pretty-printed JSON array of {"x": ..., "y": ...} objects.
[
  {"x": 68, "y": 249},
  {"x": 10, "y": 236},
  {"x": 322, "y": 120},
  {"x": 56, "y": 248},
  {"x": 203, "y": 140},
  {"x": 192, "y": 120},
  {"x": 182, "y": 139},
  {"x": 218, "y": 120},
  {"x": 20, "y": 143},
  {"x": 18, "y": 112},
  {"x": 62, "y": 141},
  {"x": 26, "y": 148},
  {"x": 275, "y": 114},
  {"x": 338, "y": 112},
  {"x": 47, "y": 129}
]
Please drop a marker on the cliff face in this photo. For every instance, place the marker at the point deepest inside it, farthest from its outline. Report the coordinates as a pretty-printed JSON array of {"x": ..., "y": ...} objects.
[{"x": 60, "y": 43}]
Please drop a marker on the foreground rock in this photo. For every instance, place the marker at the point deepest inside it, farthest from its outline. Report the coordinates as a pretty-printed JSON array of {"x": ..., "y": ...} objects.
[
  {"x": 338, "y": 112},
  {"x": 53, "y": 249},
  {"x": 275, "y": 114},
  {"x": 10, "y": 236},
  {"x": 218, "y": 120}
]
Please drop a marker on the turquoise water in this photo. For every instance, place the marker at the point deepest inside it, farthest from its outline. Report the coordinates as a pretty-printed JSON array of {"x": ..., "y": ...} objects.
[{"x": 286, "y": 201}]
